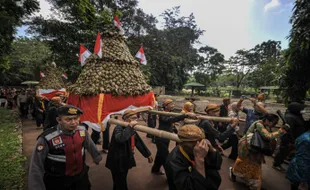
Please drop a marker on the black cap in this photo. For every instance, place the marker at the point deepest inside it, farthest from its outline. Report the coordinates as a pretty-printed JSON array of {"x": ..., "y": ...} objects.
[{"x": 68, "y": 110}]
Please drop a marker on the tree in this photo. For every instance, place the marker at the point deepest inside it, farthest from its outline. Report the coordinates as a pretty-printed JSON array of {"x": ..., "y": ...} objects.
[
  {"x": 269, "y": 61},
  {"x": 12, "y": 13},
  {"x": 211, "y": 65},
  {"x": 25, "y": 60},
  {"x": 297, "y": 79},
  {"x": 241, "y": 65},
  {"x": 167, "y": 65}
]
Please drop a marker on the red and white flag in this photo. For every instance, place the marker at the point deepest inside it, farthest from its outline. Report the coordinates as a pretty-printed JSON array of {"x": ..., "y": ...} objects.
[
  {"x": 42, "y": 74},
  {"x": 84, "y": 54},
  {"x": 64, "y": 75},
  {"x": 117, "y": 23},
  {"x": 140, "y": 54},
  {"x": 98, "y": 46}
]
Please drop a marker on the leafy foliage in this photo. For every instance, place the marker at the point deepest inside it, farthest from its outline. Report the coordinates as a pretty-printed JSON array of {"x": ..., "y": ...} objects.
[
  {"x": 11, "y": 14},
  {"x": 297, "y": 78},
  {"x": 25, "y": 60}
]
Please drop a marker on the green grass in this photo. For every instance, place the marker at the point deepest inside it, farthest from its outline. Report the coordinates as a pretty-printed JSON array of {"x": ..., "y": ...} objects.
[{"x": 12, "y": 170}]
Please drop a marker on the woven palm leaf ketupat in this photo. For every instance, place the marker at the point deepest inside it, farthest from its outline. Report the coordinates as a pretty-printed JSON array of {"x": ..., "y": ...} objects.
[
  {"x": 116, "y": 73},
  {"x": 52, "y": 79}
]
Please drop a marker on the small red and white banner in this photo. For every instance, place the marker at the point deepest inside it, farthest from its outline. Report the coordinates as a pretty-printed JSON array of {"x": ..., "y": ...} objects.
[
  {"x": 140, "y": 54},
  {"x": 50, "y": 93},
  {"x": 117, "y": 23},
  {"x": 64, "y": 75},
  {"x": 98, "y": 46},
  {"x": 42, "y": 74},
  {"x": 84, "y": 54}
]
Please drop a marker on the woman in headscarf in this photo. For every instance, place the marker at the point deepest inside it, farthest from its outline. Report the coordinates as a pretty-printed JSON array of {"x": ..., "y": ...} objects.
[
  {"x": 248, "y": 165},
  {"x": 166, "y": 124},
  {"x": 188, "y": 107}
]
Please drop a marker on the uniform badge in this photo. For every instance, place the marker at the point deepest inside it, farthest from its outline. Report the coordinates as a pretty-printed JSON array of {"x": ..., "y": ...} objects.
[
  {"x": 57, "y": 141},
  {"x": 82, "y": 133},
  {"x": 40, "y": 147},
  {"x": 72, "y": 111}
]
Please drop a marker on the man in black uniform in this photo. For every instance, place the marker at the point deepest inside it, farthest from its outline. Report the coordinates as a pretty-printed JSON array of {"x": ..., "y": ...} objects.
[
  {"x": 121, "y": 152},
  {"x": 166, "y": 124},
  {"x": 58, "y": 160},
  {"x": 194, "y": 164}
]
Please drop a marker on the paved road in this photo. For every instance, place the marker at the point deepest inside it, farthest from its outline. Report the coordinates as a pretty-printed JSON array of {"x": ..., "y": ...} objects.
[{"x": 140, "y": 177}]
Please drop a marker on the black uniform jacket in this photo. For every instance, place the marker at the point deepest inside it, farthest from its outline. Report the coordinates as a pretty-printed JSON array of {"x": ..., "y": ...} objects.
[
  {"x": 121, "y": 156},
  {"x": 212, "y": 134},
  {"x": 181, "y": 175}
]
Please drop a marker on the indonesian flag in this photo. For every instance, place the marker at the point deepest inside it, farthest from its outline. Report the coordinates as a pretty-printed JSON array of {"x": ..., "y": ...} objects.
[
  {"x": 84, "y": 54},
  {"x": 42, "y": 74},
  {"x": 98, "y": 46},
  {"x": 140, "y": 54},
  {"x": 117, "y": 23},
  {"x": 65, "y": 75}
]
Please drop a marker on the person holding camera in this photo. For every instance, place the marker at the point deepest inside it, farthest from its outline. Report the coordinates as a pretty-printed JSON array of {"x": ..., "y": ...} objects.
[
  {"x": 194, "y": 163},
  {"x": 248, "y": 165},
  {"x": 252, "y": 115}
]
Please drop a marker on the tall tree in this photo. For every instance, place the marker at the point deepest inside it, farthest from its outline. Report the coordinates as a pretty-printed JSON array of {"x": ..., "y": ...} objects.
[
  {"x": 169, "y": 58},
  {"x": 297, "y": 79},
  {"x": 269, "y": 60},
  {"x": 25, "y": 61},
  {"x": 241, "y": 65},
  {"x": 211, "y": 65},
  {"x": 12, "y": 13}
]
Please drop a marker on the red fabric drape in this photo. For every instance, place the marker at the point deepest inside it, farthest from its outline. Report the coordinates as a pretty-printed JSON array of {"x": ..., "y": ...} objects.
[{"x": 89, "y": 104}]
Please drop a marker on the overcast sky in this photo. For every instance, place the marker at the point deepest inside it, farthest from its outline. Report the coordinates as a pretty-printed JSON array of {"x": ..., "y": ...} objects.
[{"x": 229, "y": 24}]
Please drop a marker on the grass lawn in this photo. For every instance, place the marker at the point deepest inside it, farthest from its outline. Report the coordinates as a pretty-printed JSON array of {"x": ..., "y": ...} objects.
[{"x": 12, "y": 170}]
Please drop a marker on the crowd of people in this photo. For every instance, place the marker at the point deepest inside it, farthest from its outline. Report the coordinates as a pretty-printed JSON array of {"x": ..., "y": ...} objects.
[{"x": 58, "y": 160}]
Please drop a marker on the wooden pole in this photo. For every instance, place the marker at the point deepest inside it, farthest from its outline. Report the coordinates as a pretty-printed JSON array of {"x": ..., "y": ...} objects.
[
  {"x": 145, "y": 129},
  {"x": 211, "y": 118}
]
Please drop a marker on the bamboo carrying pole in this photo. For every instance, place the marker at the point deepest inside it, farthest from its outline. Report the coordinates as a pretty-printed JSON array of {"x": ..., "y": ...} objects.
[
  {"x": 211, "y": 118},
  {"x": 148, "y": 130}
]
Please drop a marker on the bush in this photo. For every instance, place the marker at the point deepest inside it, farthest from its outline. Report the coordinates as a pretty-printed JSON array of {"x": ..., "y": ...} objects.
[{"x": 12, "y": 161}]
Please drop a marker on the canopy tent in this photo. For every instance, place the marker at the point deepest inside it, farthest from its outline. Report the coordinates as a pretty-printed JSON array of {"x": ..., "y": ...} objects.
[
  {"x": 193, "y": 85},
  {"x": 30, "y": 82}
]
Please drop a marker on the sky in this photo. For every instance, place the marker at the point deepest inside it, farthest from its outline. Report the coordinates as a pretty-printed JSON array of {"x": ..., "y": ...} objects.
[{"x": 229, "y": 25}]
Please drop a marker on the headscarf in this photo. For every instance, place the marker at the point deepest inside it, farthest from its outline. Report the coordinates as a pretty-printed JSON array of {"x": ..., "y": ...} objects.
[
  {"x": 191, "y": 133},
  {"x": 261, "y": 97},
  {"x": 186, "y": 107},
  {"x": 212, "y": 107},
  {"x": 167, "y": 102},
  {"x": 128, "y": 113}
]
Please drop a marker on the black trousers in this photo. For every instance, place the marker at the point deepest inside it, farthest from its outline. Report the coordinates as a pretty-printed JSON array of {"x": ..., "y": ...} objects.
[
  {"x": 80, "y": 182},
  {"x": 162, "y": 153},
  {"x": 23, "y": 109},
  {"x": 283, "y": 150},
  {"x": 119, "y": 180},
  {"x": 105, "y": 134},
  {"x": 39, "y": 118},
  {"x": 233, "y": 143}
]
